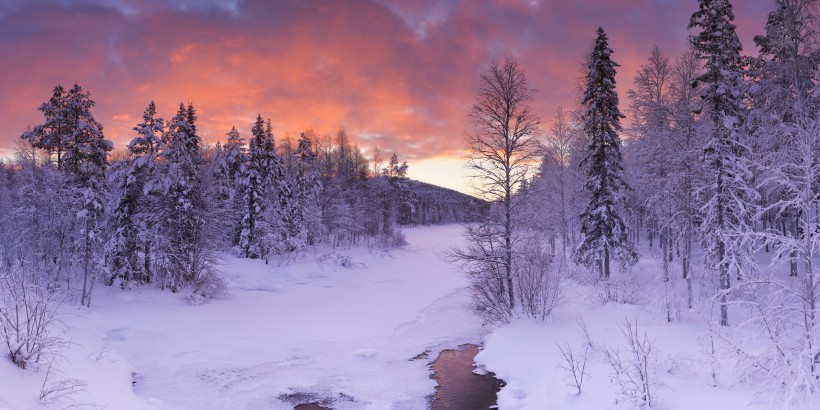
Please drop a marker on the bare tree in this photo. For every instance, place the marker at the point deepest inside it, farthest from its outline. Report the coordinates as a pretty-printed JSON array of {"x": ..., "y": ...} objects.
[
  {"x": 501, "y": 152},
  {"x": 558, "y": 150}
]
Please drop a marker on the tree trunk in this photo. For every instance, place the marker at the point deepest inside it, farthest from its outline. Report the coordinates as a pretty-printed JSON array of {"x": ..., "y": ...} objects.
[
  {"x": 146, "y": 261},
  {"x": 665, "y": 242},
  {"x": 724, "y": 275}
]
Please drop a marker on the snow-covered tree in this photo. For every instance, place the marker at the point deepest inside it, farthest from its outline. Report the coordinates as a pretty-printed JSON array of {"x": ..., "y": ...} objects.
[
  {"x": 255, "y": 183},
  {"x": 226, "y": 176},
  {"x": 787, "y": 125},
  {"x": 729, "y": 197},
  {"x": 299, "y": 189},
  {"x": 604, "y": 234},
  {"x": 501, "y": 149},
  {"x": 71, "y": 132},
  {"x": 132, "y": 219},
  {"x": 53, "y": 135},
  {"x": 183, "y": 248},
  {"x": 397, "y": 201},
  {"x": 557, "y": 183},
  {"x": 784, "y": 76}
]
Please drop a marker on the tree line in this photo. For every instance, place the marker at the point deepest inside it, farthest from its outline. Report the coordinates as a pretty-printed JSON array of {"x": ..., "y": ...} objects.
[
  {"x": 717, "y": 170},
  {"x": 165, "y": 207}
]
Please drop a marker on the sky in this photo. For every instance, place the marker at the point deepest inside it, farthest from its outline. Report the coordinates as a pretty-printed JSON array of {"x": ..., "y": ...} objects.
[{"x": 400, "y": 74}]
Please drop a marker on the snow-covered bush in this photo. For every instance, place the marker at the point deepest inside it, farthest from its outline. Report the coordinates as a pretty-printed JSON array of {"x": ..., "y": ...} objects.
[
  {"x": 28, "y": 313},
  {"x": 634, "y": 369},
  {"x": 780, "y": 348},
  {"x": 340, "y": 260},
  {"x": 395, "y": 239},
  {"x": 574, "y": 364},
  {"x": 59, "y": 392},
  {"x": 538, "y": 286},
  {"x": 208, "y": 285},
  {"x": 619, "y": 288}
]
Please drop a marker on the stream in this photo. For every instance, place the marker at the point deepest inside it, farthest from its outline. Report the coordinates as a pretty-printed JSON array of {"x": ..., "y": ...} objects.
[{"x": 458, "y": 387}]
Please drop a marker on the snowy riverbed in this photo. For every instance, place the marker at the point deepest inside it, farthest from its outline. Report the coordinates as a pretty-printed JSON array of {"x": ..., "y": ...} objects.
[
  {"x": 311, "y": 328},
  {"x": 314, "y": 330}
]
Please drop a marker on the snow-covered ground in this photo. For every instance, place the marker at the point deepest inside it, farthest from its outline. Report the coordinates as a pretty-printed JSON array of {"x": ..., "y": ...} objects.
[
  {"x": 310, "y": 327},
  {"x": 525, "y": 353},
  {"x": 313, "y": 330}
]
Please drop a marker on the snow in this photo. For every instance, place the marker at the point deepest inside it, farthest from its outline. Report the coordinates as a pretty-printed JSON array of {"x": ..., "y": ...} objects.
[
  {"x": 526, "y": 356},
  {"x": 309, "y": 326},
  {"x": 318, "y": 328}
]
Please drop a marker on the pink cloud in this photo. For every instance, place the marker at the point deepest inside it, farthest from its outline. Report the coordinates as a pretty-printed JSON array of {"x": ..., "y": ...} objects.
[{"x": 398, "y": 73}]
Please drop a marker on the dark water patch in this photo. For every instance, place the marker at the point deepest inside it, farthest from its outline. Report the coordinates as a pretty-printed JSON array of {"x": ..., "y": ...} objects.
[
  {"x": 307, "y": 401},
  {"x": 310, "y": 406},
  {"x": 458, "y": 387}
]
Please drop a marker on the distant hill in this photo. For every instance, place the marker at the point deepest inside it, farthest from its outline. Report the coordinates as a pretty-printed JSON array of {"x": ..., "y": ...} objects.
[{"x": 436, "y": 205}]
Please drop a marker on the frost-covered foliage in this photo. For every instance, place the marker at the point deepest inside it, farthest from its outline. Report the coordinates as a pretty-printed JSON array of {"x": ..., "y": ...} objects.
[
  {"x": 510, "y": 273},
  {"x": 182, "y": 250},
  {"x": 29, "y": 312},
  {"x": 71, "y": 136},
  {"x": 258, "y": 174},
  {"x": 131, "y": 218},
  {"x": 604, "y": 235},
  {"x": 729, "y": 199}
]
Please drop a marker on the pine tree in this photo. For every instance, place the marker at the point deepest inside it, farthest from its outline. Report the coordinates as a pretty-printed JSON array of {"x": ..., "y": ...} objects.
[
  {"x": 729, "y": 197},
  {"x": 227, "y": 169},
  {"x": 603, "y": 230},
  {"x": 54, "y": 134},
  {"x": 400, "y": 203},
  {"x": 255, "y": 184},
  {"x": 184, "y": 249},
  {"x": 231, "y": 157},
  {"x": 132, "y": 220},
  {"x": 85, "y": 160},
  {"x": 307, "y": 189}
]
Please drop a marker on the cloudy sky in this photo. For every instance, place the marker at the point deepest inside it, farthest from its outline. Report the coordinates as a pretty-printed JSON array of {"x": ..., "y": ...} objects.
[{"x": 397, "y": 73}]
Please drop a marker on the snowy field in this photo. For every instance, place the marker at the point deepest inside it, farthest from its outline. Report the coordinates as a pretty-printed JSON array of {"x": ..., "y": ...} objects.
[
  {"x": 526, "y": 353},
  {"x": 315, "y": 330},
  {"x": 311, "y": 328}
]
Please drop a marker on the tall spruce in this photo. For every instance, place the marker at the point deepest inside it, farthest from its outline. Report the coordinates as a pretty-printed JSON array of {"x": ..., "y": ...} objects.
[
  {"x": 255, "y": 186},
  {"x": 184, "y": 248},
  {"x": 604, "y": 234},
  {"x": 227, "y": 176},
  {"x": 729, "y": 198},
  {"x": 131, "y": 217}
]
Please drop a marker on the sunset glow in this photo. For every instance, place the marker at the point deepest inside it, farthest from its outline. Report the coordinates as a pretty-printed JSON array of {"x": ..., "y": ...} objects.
[{"x": 394, "y": 73}]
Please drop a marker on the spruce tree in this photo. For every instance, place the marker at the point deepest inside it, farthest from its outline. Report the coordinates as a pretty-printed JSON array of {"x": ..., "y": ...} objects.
[
  {"x": 306, "y": 220},
  {"x": 227, "y": 175},
  {"x": 729, "y": 198},
  {"x": 132, "y": 220},
  {"x": 255, "y": 181},
  {"x": 604, "y": 234},
  {"x": 184, "y": 249}
]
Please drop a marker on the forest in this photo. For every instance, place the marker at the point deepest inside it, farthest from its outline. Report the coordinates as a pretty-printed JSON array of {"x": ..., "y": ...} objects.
[
  {"x": 697, "y": 197},
  {"x": 712, "y": 164}
]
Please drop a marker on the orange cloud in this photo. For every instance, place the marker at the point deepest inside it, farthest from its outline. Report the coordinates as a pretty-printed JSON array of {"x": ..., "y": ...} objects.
[{"x": 399, "y": 73}]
